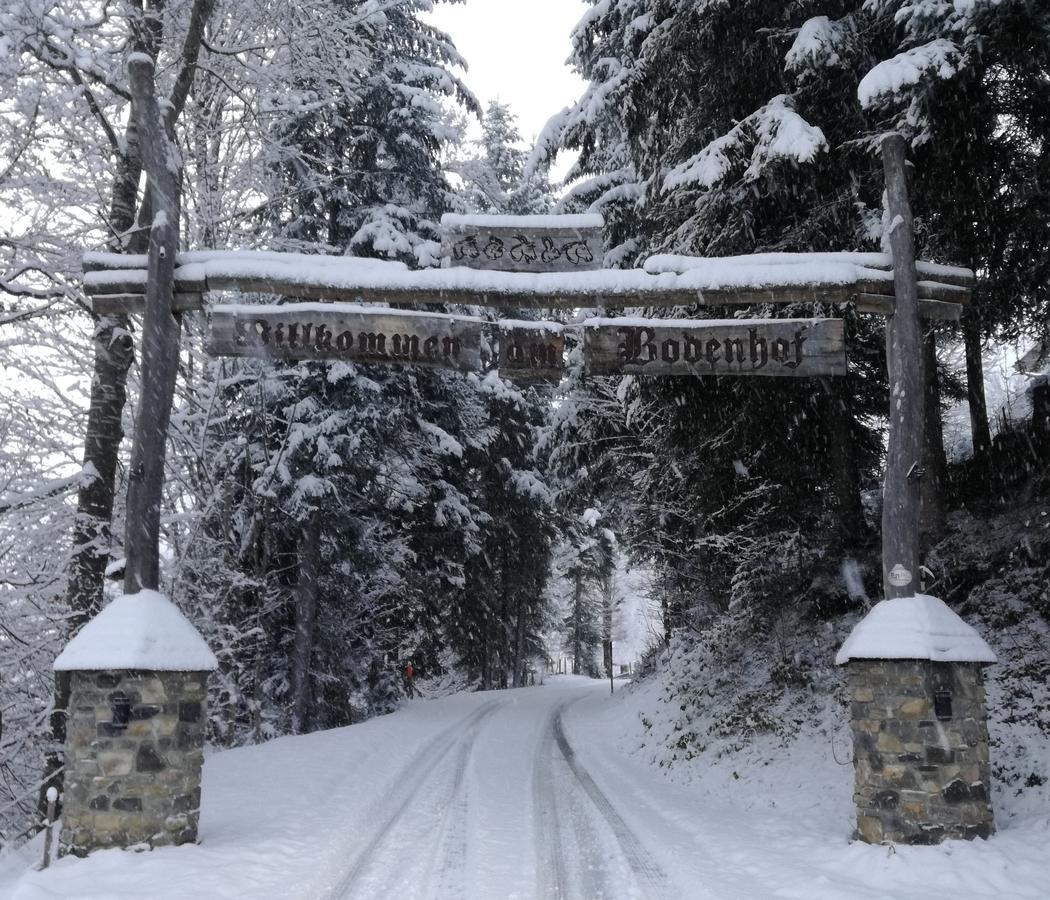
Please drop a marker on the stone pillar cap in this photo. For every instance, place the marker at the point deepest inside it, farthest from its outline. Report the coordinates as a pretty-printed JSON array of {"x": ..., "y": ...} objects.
[
  {"x": 138, "y": 631},
  {"x": 919, "y": 627}
]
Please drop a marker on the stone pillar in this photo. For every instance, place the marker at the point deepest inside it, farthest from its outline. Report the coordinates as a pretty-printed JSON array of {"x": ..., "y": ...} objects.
[
  {"x": 135, "y": 729},
  {"x": 920, "y": 741},
  {"x": 920, "y": 732},
  {"x": 134, "y": 751}
]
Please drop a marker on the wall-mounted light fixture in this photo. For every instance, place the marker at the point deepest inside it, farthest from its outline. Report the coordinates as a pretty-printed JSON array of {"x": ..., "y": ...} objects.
[{"x": 120, "y": 708}]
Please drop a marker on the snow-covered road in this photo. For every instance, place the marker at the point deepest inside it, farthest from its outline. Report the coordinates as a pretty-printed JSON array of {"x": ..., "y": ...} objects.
[
  {"x": 499, "y": 804},
  {"x": 525, "y": 794}
]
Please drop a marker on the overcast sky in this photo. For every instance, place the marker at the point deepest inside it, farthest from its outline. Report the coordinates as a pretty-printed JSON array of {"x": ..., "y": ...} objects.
[{"x": 517, "y": 53}]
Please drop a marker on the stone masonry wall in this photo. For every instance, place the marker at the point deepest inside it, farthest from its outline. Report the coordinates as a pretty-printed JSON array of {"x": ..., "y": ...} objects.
[
  {"x": 919, "y": 780},
  {"x": 137, "y": 784}
]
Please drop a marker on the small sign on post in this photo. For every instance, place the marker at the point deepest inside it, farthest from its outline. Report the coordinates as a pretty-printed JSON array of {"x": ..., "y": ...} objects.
[
  {"x": 522, "y": 243},
  {"x": 783, "y": 348}
]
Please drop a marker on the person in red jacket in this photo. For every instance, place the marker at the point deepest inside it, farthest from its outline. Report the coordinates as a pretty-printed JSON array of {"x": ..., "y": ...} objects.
[{"x": 410, "y": 671}]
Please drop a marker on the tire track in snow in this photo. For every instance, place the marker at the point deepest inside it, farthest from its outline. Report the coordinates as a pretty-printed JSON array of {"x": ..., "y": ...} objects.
[
  {"x": 453, "y": 848},
  {"x": 651, "y": 878},
  {"x": 547, "y": 827},
  {"x": 408, "y": 784}
]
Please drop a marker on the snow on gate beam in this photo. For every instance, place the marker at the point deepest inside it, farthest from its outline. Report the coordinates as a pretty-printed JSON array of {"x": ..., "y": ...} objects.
[{"x": 120, "y": 290}]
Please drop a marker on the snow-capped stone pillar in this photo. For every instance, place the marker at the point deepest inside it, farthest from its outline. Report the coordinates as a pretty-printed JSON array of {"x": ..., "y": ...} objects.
[
  {"x": 920, "y": 734},
  {"x": 135, "y": 732}
]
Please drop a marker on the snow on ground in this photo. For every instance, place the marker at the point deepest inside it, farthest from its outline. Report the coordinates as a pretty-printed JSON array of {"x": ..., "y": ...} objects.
[{"x": 540, "y": 792}]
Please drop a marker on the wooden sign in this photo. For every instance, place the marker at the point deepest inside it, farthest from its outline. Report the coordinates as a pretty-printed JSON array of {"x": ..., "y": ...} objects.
[
  {"x": 522, "y": 243},
  {"x": 348, "y": 332},
  {"x": 793, "y": 348},
  {"x": 531, "y": 350}
]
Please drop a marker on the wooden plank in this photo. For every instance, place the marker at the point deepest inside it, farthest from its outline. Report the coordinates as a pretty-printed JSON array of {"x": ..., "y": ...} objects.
[
  {"x": 928, "y": 271},
  {"x": 936, "y": 310},
  {"x": 942, "y": 274},
  {"x": 108, "y": 262},
  {"x": 949, "y": 293},
  {"x": 130, "y": 304},
  {"x": 956, "y": 276},
  {"x": 130, "y": 283},
  {"x": 901, "y": 493},
  {"x": 796, "y": 348},
  {"x": 531, "y": 350},
  {"x": 522, "y": 243},
  {"x": 509, "y": 299},
  {"x": 313, "y": 331},
  {"x": 927, "y": 290}
]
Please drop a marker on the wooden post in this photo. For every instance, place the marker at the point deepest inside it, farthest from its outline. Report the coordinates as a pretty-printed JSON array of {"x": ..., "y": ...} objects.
[
  {"x": 160, "y": 337},
  {"x": 52, "y": 801},
  {"x": 901, "y": 493}
]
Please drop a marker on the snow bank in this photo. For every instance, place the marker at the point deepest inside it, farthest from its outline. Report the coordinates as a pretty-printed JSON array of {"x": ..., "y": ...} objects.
[
  {"x": 919, "y": 627},
  {"x": 138, "y": 631}
]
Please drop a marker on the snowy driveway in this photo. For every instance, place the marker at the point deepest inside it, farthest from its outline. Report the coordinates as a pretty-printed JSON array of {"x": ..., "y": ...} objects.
[{"x": 514, "y": 794}]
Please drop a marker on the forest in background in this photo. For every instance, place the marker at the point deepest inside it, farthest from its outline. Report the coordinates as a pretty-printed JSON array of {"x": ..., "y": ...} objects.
[{"x": 464, "y": 522}]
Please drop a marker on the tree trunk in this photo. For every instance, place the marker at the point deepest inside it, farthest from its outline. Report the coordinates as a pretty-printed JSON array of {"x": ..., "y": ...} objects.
[
  {"x": 577, "y": 625},
  {"x": 305, "y": 621},
  {"x": 979, "y": 429},
  {"x": 845, "y": 476},
  {"x": 519, "y": 643},
  {"x": 935, "y": 463}
]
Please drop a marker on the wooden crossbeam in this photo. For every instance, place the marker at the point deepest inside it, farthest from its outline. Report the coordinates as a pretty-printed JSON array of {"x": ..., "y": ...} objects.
[
  {"x": 936, "y": 310},
  {"x": 110, "y": 304},
  {"x": 116, "y": 285}
]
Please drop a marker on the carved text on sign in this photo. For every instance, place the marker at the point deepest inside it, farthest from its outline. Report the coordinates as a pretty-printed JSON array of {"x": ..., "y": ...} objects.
[
  {"x": 533, "y": 244},
  {"x": 523, "y": 249},
  {"x": 531, "y": 350},
  {"x": 315, "y": 331},
  {"x": 640, "y": 346},
  {"x": 768, "y": 347},
  {"x": 258, "y": 334}
]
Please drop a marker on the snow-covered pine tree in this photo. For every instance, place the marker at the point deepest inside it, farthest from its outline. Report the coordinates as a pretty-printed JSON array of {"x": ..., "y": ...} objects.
[
  {"x": 355, "y": 164},
  {"x": 583, "y": 565},
  {"x": 495, "y": 625},
  {"x": 495, "y": 180},
  {"x": 721, "y": 159},
  {"x": 966, "y": 83}
]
